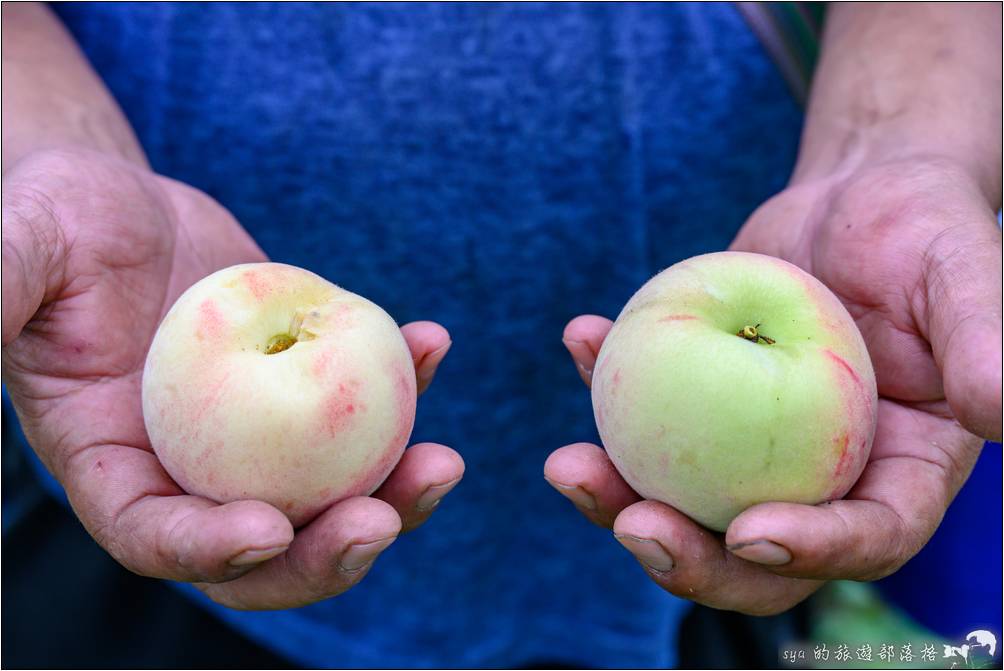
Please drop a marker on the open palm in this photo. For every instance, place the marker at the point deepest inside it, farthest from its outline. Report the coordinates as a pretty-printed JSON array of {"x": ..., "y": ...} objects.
[
  {"x": 914, "y": 252},
  {"x": 95, "y": 251}
]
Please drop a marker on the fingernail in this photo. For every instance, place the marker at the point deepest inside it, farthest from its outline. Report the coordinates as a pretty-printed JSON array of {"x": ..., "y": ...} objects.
[
  {"x": 359, "y": 555},
  {"x": 431, "y": 362},
  {"x": 433, "y": 495},
  {"x": 587, "y": 375},
  {"x": 761, "y": 552},
  {"x": 249, "y": 557},
  {"x": 576, "y": 495},
  {"x": 649, "y": 552}
]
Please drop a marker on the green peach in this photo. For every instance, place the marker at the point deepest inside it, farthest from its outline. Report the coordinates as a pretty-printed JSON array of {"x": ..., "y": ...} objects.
[{"x": 732, "y": 379}]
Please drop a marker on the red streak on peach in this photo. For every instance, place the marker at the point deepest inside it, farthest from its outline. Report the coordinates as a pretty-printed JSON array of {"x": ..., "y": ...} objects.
[
  {"x": 211, "y": 322},
  {"x": 840, "y": 361},
  {"x": 859, "y": 400},
  {"x": 203, "y": 462},
  {"x": 256, "y": 285},
  {"x": 340, "y": 407},
  {"x": 321, "y": 362},
  {"x": 211, "y": 399},
  {"x": 852, "y": 444},
  {"x": 847, "y": 466},
  {"x": 846, "y": 459},
  {"x": 343, "y": 315},
  {"x": 404, "y": 397}
]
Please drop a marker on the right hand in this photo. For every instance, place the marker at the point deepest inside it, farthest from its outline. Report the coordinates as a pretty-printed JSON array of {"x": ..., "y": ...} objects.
[{"x": 95, "y": 251}]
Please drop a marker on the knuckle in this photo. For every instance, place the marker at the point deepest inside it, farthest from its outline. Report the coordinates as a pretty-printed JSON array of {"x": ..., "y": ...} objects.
[
  {"x": 894, "y": 551},
  {"x": 317, "y": 581},
  {"x": 708, "y": 553},
  {"x": 703, "y": 585},
  {"x": 105, "y": 537},
  {"x": 900, "y": 551},
  {"x": 696, "y": 585}
]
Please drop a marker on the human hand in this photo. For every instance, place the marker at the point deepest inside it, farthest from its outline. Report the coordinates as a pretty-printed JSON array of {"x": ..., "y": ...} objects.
[
  {"x": 95, "y": 251},
  {"x": 914, "y": 252}
]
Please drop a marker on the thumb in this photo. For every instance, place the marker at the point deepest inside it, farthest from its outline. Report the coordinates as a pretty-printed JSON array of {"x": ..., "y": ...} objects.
[
  {"x": 33, "y": 250},
  {"x": 583, "y": 338},
  {"x": 429, "y": 342},
  {"x": 962, "y": 277}
]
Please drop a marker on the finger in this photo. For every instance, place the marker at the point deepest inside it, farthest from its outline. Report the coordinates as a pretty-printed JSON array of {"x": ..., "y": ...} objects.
[
  {"x": 429, "y": 342},
  {"x": 691, "y": 562},
  {"x": 583, "y": 337},
  {"x": 134, "y": 510},
  {"x": 584, "y": 474},
  {"x": 963, "y": 310},
  {"x": 327, "y": 557},
  {"x": 426, "y": 473},
  {"x": 33, "y": 252},
  {"x": 882, "y": 523},
  {"x": 859, "y": 540}
]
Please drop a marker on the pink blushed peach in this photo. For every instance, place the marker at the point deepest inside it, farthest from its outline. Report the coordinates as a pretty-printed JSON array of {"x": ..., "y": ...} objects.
[{"x": 267, "y": 382}]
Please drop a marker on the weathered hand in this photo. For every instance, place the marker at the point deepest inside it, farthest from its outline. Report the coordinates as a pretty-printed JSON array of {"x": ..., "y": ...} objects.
[
  {"x": 95, "y": 251},
  {"x": 914, "y": 252}
]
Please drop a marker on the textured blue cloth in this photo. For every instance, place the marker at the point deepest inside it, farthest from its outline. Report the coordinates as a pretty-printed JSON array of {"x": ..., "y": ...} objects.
[{"x": 499, "y": 169}]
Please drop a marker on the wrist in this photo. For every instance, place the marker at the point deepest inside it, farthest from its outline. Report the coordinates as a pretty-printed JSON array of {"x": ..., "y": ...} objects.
[
  {"x": 56, "y": 99},
  {"x": 97, "y": 142},
  {"x": 857, "y": 152},
  {"x": 916, "y": 82}
]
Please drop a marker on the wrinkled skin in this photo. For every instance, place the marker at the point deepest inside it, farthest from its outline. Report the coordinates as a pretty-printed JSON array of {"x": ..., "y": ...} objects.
[
  {"x": 913, "y": 250},
  {"x": 95, "y": 251}
]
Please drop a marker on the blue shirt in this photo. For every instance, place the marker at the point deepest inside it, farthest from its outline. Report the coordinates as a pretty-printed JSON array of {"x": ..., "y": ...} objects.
[{"x": 499, "y": 169}]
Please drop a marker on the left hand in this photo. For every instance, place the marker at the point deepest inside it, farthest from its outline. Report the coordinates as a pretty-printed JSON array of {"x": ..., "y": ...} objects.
[
  {"x": 95, "y": 251},
  {"x": 913, "y": 250}
]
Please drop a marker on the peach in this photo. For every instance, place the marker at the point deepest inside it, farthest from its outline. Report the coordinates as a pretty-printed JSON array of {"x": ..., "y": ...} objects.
[
  {"x": 265, "y": 381},
  {"x": 732, "y": 379}
]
